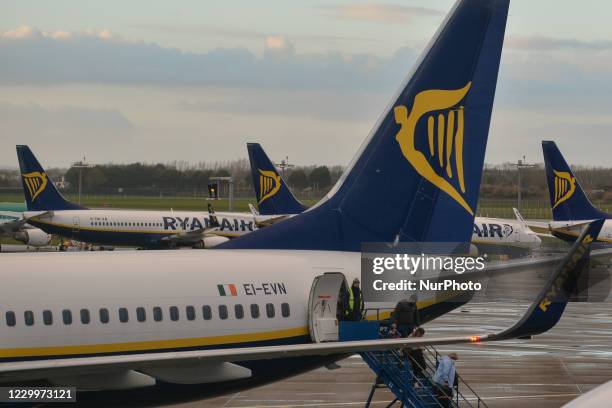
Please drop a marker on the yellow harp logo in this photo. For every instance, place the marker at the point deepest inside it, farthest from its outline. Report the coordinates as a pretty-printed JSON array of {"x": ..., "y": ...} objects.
[
  {"x": 565, "y": 185},
  {"x": 269, "y": 184},
  {"x": 35, "y": 183},
  {"x": 444, "y": 136}
]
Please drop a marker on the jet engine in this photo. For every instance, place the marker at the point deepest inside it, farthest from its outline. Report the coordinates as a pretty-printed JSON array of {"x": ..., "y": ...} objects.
[
  {"x": 210, "y": 242},
  {"x": 34, "y": 237}
]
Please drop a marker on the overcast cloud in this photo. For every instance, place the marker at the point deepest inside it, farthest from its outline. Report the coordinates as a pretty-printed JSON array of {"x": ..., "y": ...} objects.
[{"x": 160, "y": 83}]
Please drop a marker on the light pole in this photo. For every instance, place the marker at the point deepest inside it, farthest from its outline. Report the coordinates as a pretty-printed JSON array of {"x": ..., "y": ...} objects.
[
  {"x": 521, "y": 164},
  {"x": 80, "y": 165},
  {"x": 284, "y": 164}
]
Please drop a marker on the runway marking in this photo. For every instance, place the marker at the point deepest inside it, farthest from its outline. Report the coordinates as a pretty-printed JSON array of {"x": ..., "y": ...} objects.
[
  {"x": 528, "y": 396},
  {"x": 570, "y": 375},
  {"x": 233, "y": 397},
  {"x": 360, "y": 403}
]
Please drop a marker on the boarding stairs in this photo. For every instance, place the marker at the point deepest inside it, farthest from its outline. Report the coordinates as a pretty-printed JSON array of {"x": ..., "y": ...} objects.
[{"x": 393, "y": 371}]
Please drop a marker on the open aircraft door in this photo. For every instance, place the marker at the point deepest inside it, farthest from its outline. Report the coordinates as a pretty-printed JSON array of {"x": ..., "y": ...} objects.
[{"x": 325, "y": 294}]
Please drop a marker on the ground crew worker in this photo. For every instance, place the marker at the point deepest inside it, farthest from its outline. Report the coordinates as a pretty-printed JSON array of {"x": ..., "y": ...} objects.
[
  {"x": 355, "y": 301},
  {"x": 406, "y": 316},
  {"x": 445, "y": 378},
  {"x": 416, "y": 357}
]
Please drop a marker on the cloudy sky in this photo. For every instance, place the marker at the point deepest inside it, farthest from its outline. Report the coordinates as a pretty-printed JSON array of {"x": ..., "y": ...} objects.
[{"x": 151, "y": 81}]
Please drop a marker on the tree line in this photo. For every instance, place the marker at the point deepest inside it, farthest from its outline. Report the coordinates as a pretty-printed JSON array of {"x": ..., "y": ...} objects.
[{"x": 498, "y": 182}]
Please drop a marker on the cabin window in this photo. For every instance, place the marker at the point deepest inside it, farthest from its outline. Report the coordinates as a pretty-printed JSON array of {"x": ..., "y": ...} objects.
[
  {"x": 47, "y": 317},
  {"x": 270, "y": 310},
  {"x": 28, "y": 316},
  {"x": 190, "y": 312},
  {"x": 174, "y": 313},
  {"x": 255, "y": 311},
  {"x": 222, "y": 312},
  {"x": 104, "y": 316},
  {"x": 10, "y": 318},
  {"x": 206, "y": 312},
  {"x": 239, "y": 311},
  {"x": 67, "y": 316},
  {"x": 285, "y": 310},
  {"x": 85, "y": 317},
  {"x": 141, "y": 314},
  {"x": 123, "y": 315},
  {"x": 157, "y": 314}
]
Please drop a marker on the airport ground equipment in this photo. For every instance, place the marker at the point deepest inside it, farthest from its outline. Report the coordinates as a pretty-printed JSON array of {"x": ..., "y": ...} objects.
[{"x": 394, "y": 371}]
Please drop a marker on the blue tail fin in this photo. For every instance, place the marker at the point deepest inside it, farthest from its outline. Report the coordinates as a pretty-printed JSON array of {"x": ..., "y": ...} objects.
[
  {"x": 40, "y": 192},
  {"x": 417, "y": 176},
  {"x": 273, "y": 195},
  {"x": 567, "y": 199}
]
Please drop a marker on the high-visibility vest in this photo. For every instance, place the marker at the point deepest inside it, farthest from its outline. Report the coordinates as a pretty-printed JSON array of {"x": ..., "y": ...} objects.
[{"x": 351, "y": 301}]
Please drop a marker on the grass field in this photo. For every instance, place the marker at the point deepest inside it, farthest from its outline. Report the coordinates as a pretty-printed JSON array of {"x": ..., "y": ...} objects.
[{"x": 531, "y": 209}]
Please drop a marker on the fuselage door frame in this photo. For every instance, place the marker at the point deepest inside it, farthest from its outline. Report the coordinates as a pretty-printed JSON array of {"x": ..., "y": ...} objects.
[{"x": 325, "y": 295}]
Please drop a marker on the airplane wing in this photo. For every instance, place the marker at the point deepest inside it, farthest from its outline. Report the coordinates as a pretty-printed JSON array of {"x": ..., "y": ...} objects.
[
  {"x": 32, "y": 214},
  {"x": 265, "y": 221},
  {"x": 544, "y": 313},
  {"x": 187, "y": 236},
  {"x": 15, "y": 222},
  {"x": 10, "y": 226},
  {"x": 191, "y": 237}
]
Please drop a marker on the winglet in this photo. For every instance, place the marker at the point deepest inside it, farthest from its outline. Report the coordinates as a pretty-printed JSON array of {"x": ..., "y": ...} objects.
[
  {"x": 253, "y": 210},
  {"x": 518, "y": 215},
  {"x": 547, "y": 308}
]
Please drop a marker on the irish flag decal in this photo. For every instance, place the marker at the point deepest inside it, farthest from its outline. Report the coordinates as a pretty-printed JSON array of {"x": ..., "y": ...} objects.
[{"x": 227, "y": 290}]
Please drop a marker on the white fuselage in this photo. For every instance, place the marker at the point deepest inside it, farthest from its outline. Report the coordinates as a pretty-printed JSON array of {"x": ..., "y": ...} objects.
[
  {"x": 149, "y": 229},
  {"x": 497, "y": 231},
  {"x": 140, "y": 228},
  {"x": 92, "y": 286}
]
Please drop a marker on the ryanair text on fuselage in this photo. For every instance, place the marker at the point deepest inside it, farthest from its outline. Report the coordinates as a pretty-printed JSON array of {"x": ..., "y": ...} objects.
[{"x": 174, "y": 223}]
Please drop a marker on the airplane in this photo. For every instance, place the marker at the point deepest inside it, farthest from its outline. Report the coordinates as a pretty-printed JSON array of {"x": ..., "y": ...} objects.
[
  {"x": 163, "y": 326},
  {"x": 115, "y": 345},
  {"x": 52, "y": 213},
  {"x": 128, "y": 319},
  {"x": 13, "y": 225},
  {"x": 276, "y": 201},
  {"x": 571, "y": 208}
]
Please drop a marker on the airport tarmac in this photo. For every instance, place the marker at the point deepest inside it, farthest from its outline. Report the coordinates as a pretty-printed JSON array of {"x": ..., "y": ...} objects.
[{"x": 546, "y": 371}]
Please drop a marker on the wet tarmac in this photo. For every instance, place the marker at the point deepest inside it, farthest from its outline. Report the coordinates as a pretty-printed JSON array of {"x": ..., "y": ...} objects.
[{"x": 546, "y": 371}]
